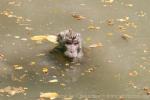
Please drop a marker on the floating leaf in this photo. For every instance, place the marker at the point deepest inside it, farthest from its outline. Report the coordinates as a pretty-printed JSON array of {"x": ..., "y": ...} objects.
[
  {"x": 12, "y": 90},
  {"x": 45, "y": 70},
  {"x": 78, "y": 17},
  {"x": 93, "y": 27},
  {"x": 50, "y": 38},
  {"x": 53, "y": 81},
  {"x": 39, "y": 38},
  {"x": 49, "y": 95},
  {"x": 126, "y": 36},
  {"x": 96, "y": 45}
]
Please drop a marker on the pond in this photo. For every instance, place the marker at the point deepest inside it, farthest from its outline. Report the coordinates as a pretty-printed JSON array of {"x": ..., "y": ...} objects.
[{"x": 116, "y": 70}]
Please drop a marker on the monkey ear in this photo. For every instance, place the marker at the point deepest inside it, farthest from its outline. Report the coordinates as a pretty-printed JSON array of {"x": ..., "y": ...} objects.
[{"x": 70, "y": 30}]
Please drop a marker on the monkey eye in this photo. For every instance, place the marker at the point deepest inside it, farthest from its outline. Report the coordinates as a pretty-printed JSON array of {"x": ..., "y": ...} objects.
[
  {"x": 76, "y": 43},
  {"x": 68, "y": 42}
]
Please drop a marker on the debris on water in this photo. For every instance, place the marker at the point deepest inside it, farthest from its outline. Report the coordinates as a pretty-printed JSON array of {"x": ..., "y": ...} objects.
[
  {"x": 126, "y": 36},
  {"x": 53, "y": 81},
  {"x": 129, "y": 5},
  {"x": 11, "y": 2},
  {"x": 132, "y": 84},
  {"x": 133, "y": 73},
  {"x": 49, "y": 95},
  {"x": 50, "y": 38},
  {"x": 93, "y": 27},
  {"x": 62, "y": 84},
  {"x": 1, "y": 56},
  {"x": 147, "y": 90},
  {"x": 32, "y": 63},
  {"x": 110, "y": 22},
  {"x": 108, "y": 1},
  {"x": 68, "y": 98},
  {"x": 13, "y": 90},
  {"x": 40, "y": 54},
  {"x": 28, "y": 28},
  {"x": 123, "y": 19},
  {"x": 141, "y": 13},
  {"x": 45, "y": 70},
  {"x": 121, "y": 98},
  {"x": 24, "y": 39},
  {"x": 17, "y": 37},
  {"x": 78, "y": 17},
  {"x": 109, "y": 34},
  {"x": 96, "y": 45},
  {"x": 18, "y": 67}
]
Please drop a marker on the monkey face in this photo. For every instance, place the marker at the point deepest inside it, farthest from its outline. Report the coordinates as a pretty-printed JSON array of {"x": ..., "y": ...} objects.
[
  {"x": 72, "y": 48},
  {"x": 70, "y": 43}
]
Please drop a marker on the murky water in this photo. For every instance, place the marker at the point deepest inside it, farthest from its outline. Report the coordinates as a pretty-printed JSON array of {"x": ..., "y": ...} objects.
[{"x": 119, "y": 70}]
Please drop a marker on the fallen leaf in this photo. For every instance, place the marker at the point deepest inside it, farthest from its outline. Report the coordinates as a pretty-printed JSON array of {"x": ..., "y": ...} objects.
[
  {"x": 18, "y": 67},
  {"x": 93, "y": 27},
  {"x": 96, "y": 45},
  {"x": 126, "y": 36},
  {"x": 78, "y": 17},
  {"x": 12, "y": 90},
  {"x": 53, "y": 81},
  {"x": 52, "y": 38},
  {"x": 49, "y": 95},
  {"x": 45, "y": 70}
]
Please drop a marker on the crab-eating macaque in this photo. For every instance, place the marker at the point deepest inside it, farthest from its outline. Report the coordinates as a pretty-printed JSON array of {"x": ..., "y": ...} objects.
[{"x": 70, "y": 44}]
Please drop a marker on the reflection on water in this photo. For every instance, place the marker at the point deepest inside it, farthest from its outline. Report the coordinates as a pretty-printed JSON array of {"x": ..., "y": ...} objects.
[{"x": 114, "y": 71}]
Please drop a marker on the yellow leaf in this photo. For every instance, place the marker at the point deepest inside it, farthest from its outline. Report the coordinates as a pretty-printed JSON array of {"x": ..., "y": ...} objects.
[
  {"x": 52, "y": 38},
  {"x": 49, "y": 95},
  {"x": 45, "y": 70},
  {"x": 53, "y": 81},
  {"x": 93, "y": 27},
  {"x": 96, "y": 45},
  {"x": 39, "y": 37}
]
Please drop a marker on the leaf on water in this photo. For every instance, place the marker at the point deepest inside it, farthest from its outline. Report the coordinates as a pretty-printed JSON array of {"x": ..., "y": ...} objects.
[
  {"x": 32, "y": 63},
  {"x": 96, "y": 45},
  {"x": 134, "y": 73},
  {"x": 93, "y": 27},
  {"x": 110, "y": 22},
  {"x": 53, "y": 81},
  {"x": 126, "y": 36},
  {"x": 123, "y": 19},
  {"x": 28, "y": 28},
  {"x": 39, "y": 37},
  {"x": 49, "y": 95},
  {"x": 18, "y": 67},
  {"x": 45, "y": 70},
  {"x": 78, "y": 17},
  {"x": 50, "y": 38},
  {"x": 108, "y": 1},
  {"x": 129, "y": 5},
  {"x": 1, "y": 56},
  {"x": 12, "y": 90}
]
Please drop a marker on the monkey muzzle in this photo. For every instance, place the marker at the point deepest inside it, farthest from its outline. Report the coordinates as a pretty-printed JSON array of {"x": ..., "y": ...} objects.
[{"x": 71, "y": 51}]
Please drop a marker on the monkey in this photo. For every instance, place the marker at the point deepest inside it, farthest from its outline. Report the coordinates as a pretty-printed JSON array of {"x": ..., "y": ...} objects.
[{"x": 70, "y": 44}]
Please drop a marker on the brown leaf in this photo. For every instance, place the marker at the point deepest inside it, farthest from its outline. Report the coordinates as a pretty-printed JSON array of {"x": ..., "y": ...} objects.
[{"x": 78, "y": 17}]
